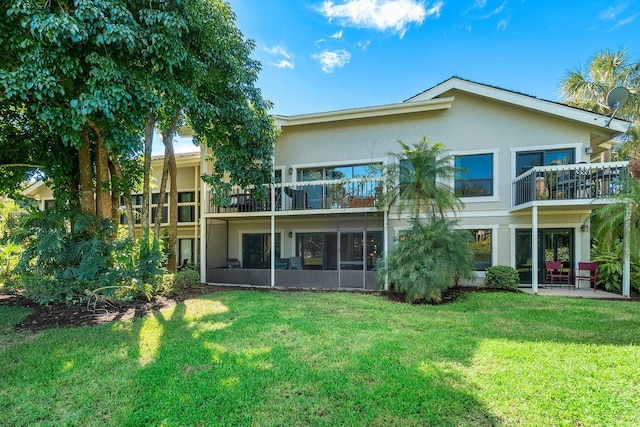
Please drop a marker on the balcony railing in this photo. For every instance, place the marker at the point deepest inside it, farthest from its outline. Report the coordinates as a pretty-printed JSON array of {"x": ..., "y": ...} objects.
[
  {"x": 581, "y": 181},
  {"x": 307, "y": 196}
]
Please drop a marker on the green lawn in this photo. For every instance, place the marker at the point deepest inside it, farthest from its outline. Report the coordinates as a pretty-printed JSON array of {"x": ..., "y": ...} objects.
[{"x": 297, "y": 358}]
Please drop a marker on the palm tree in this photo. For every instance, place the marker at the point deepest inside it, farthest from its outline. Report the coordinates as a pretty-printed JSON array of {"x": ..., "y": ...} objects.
[
  {"x": 588, "y": 88},
  {"x": 419, "y": 180}
]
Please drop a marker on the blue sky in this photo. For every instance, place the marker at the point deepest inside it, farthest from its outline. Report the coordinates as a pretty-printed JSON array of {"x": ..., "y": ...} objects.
[{"x": 326, "y": 55}]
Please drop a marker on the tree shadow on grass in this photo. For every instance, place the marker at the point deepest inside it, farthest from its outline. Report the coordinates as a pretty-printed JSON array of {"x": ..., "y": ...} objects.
[{"x": 247, "y": 365}]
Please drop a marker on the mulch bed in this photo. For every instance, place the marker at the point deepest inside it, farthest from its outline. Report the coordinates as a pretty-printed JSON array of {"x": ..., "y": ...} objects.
[{"x": 68, "y": 316}]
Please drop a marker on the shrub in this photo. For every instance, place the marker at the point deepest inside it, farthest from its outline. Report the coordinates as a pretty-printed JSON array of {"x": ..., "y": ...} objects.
[
  {"x": 173, "y": 283},
  {"x": 608, "y": 255},
  {"x": 48, "y": 290},
  {"x": 502, "y": 277},
  {"x": 428, "y": 258}
]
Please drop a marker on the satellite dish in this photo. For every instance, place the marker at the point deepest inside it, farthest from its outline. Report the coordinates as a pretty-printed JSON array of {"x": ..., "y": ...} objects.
[{"x": 617, "y": 97}]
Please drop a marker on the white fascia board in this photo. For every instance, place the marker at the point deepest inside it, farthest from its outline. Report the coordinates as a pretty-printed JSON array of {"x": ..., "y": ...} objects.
[
  {"x": 610, "y": 127},
  {"x": 366, "y": 112}
]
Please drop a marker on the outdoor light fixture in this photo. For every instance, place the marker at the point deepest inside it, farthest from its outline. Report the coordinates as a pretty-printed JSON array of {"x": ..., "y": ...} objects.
[
  {"x": 290, "y": 170},
  {"x": 588, "y": 150},
  {"x": 291, "y": 234}
]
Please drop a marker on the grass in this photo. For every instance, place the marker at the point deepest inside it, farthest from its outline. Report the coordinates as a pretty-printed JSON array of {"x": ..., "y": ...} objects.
[{"x": 272, "y": 359}]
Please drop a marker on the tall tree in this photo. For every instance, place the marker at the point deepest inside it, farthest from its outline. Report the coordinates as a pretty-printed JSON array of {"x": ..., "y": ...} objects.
[
  {"x": 419, "y": 180},
  {"x": 587, "y": 88}
]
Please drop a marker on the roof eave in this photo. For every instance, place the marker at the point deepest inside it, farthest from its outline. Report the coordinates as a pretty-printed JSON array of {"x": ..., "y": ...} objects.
[{"x": 366, "y": 112}]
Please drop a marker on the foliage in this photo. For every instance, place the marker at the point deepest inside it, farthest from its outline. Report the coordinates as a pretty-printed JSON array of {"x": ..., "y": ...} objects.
[
  {"x": 172, "y": 283},
  {"x": 608, "y": 255},
  {"x": 502, "y": 277},
  {"x": 588, "y": 87},
  {"x": 63, "y": 258},
  {"x": 418, "y": 180},
  {"x": 488, "y": 359},
  {"x": 428, "y": 258}
]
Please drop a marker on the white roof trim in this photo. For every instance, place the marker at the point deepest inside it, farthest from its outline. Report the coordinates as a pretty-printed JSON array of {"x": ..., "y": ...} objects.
[
  {"x": 612, "y": 127},
  {"x": 366, "y": 112}
]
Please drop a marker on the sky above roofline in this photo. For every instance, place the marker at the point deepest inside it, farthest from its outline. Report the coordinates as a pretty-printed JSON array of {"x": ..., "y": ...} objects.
[{"x": 329, "y": 55}]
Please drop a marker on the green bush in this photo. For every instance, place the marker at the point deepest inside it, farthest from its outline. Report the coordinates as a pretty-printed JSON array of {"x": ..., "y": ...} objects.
[
  {"x": 502, "y": 277},
  {"x": 428, "y": 258},
  {"x": 608, "y": 255},
  {"x": 174, "y": 283},
  {"x": 48, "y": 290}
]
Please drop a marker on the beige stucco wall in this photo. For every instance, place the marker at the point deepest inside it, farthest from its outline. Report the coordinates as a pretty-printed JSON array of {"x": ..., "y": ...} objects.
[{"x": 472, "y": 124}]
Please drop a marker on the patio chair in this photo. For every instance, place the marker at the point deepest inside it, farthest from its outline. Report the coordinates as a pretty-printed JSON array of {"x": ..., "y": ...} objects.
[
  {"x": 233, "y": 263},
  {"x": 295, "y": 263},
  {"x": 587, "y": 271},
  {"x": 556, "y": 271}
]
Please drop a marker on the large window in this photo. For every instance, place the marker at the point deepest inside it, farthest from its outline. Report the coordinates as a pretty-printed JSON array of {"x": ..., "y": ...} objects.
[
  {"x": 256, "y": 250},
  {"x": 337, "y": 195},
  {"x": 475, "y": 177},
  {"x": 319, "y": 251},
  {"x": 481, "y": 245},
  {"x": 529, "y": 159},
  {"x": 187, "y": 206}
]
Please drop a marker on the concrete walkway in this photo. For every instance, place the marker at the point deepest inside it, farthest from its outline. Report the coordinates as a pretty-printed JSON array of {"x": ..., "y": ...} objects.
[{"x": 574, "y": 293}]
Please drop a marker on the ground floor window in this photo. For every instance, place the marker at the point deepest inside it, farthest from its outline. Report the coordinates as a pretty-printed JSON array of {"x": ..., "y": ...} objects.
[
  {"x": 256, "y": 250},
  {"x": 319, "y": 251},
  {"x": 185, "y": 250},
  {"x": 482, "y": 248}
]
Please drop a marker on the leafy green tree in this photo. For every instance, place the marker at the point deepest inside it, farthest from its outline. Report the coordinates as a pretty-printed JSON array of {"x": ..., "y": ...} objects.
[
  {"x": 433, "y": 254},
  {"x": 418, "y": 180},
  {"x": 428, "y": 259},
  {"x": 95, "y": 76},
  {"x": 587, "y": 88}
]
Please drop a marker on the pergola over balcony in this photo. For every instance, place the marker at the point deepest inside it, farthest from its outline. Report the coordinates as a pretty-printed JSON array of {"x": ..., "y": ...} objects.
[
  {"x": 574, "y": 184},
  {"x": 354, "y": 194}
]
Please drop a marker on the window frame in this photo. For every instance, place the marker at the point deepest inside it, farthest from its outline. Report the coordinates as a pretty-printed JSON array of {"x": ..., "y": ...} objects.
[
  {"x": 495, "y": 197},
  {"x": 458, "y": 178}
]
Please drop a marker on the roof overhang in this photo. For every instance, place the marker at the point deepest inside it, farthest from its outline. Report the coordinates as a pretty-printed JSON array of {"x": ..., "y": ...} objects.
[
  {"x": 366, "y": 112},
  {"x": 604, "y": 128}
]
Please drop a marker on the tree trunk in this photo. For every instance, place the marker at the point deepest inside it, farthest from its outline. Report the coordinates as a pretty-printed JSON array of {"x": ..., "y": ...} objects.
[
  {"x": 173, "y": 208},
  {"x": 115, "y": 193},
  {"x": 103, "y": 181},
  {"x": 87, "y": 199},
  {"x": 146, "y": 183},
  {"x": 157, "y": 221},
  {"x": 170, "y": 160},
  {"x": 127, "y": 200}
]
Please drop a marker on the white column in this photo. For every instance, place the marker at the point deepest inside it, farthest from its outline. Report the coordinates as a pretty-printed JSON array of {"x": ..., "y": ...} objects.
[
  {"x": 534, "y": 249},
  {"x": 204, "y": 201},
  {"x": 273, "y": 250},
  {"x": 385, "y": 244},
  {"x": 626, "y": 254}
]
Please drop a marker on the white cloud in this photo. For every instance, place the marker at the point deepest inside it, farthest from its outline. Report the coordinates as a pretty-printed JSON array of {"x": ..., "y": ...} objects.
[
  {"x": 479, "y": 4},
  {"x": 612, "y": 12},
  {"x": 363, "y": 45},
  {"x": 381, "y": 15},
  {"x": 502, "y": 24},
  {"x": 624, "y": 22},
  {"x": 337, "y": 35},
  {"x": 283, "y": 63},
  {"x": 281, "y": 58},
  {"x": 330, "y": 60}
]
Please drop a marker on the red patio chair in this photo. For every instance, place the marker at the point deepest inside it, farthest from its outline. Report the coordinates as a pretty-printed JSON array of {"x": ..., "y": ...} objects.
[
  {"x": 587, "y": 271},
  {"x": 556, "y": 271}
]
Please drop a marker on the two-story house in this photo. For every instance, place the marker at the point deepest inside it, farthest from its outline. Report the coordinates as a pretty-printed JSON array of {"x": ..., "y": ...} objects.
[
  {"x": 535, "y": 171},
  {"x": 189, "y": 189}
]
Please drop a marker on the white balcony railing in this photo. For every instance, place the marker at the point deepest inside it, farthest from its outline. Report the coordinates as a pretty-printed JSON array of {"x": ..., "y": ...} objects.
[
  {"x": 307, "y": 196},
  {"x": 570, "y": 182}
]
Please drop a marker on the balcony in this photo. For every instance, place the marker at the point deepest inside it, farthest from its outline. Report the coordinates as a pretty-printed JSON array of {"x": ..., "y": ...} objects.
[
  {"x": 308, "y": 197},
  {"x": 579, "y": 184}
]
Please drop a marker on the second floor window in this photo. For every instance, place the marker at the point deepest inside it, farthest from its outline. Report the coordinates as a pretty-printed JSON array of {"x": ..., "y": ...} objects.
[{"x": 476, "y": 176}]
